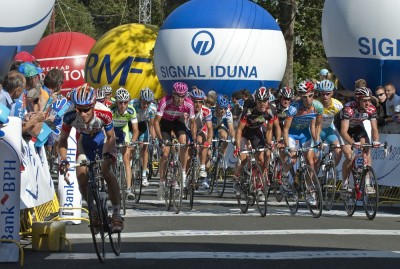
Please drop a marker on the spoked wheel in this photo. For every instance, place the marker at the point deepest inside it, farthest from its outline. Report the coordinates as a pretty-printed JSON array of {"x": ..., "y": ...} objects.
[
  {"x": 212, "y": 175},
  {"x": 291, "y": 198},
  {"x": 192, "y": 176},
  {"x": 349, "y": 198},
  {"x": 155, "y": 161},
  {"x": 260, "y": 189},
  {"x": 177, "y": 190},
  {"x": 370, "y": 193},
  {"x": 115, "y": 238},
  {"x": 136, "y": 180},
  {"x": 276, "y": 179},
  {"x": 220, "y": 177},
  {"x": 329, "y": 185},
  {"x": 168, "y": 188},
  {"x": 96, "y": 224},
  {"x": 121, "y": 178},
  {"x": 244, "y": 197},
  {"x": 312, "y": 191}
]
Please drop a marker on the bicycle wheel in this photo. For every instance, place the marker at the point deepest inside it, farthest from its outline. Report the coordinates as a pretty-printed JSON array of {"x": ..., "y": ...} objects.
[
  {"x": 312, "y": 191},
  {"x": 192, "y": 176},
  {"x": 177, "y": 189},
  {"x": 96, "y": 223},
  {"x": 260, "y": 184},
  {"x": 243, "y": 198},
  {"x": 121, "y": 178},
  {"x": 349, "y": 198},
  {"x": 155, "y": 161},
  {"x": 150, "y": 161},
  {"x": 137, "y": 180},
  {"x": 220, "y": 176},
  {"x": 212, "y": 174},
  {"x": 115, "y": 238},
  {"x": 276, "y": 179},
  {"x": 370, "y": 193},
  {"x": 329, "y": 187},
  {"x": 291, "y": 198}
]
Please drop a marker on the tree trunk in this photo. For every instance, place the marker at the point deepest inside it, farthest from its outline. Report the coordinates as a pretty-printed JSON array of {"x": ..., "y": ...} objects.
[{"x": 286, "y": 19}]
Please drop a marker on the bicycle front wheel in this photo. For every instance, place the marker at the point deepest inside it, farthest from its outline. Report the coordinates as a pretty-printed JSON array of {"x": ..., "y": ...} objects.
[
  {"x": 312, "y": 191},
  {"x": 329, "y": 187},
  {"x": 155, "y": 161},
  {"x": 349, "y": 198},
  {"x": 276, "y": 179},
  {"x": 121, "y": 178},
  {"x": 177, "y": 190},
  {"x": 260, "y": 189},
  {"x": 192, "y": 176},
  {"x": 243, "y": 198},
  {"x": 291, "y": 198},
  {"x": 220, "y": 177},
  {"x": 370, "y": 193},
  {"x": 96, "y": 223},
  {"x": 137, "y": 180}
]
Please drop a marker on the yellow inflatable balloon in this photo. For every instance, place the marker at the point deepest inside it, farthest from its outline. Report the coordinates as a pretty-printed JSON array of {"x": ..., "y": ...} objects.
[{"x": 123, "y": 57}]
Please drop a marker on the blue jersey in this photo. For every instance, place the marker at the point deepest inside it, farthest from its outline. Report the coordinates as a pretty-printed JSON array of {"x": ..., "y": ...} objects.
[{"x": 302, "y": 116}]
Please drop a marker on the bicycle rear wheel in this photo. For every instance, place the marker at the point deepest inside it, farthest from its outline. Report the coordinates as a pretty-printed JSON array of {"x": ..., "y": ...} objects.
[
  {"x": 220, "y": 177},
  {"x": 277, "y": 179},
  {"x": 121, "y": 178},
  {"x": 312, "y": 191},
  {"x": 261, "y": 198},
  {"x": 96, "y": 223},
  {"x": 370, "y": 193},
  {"x": 177, "y": 189},
  {"x": 137, "y": 180},
  {"x": 329, "y": 187}
]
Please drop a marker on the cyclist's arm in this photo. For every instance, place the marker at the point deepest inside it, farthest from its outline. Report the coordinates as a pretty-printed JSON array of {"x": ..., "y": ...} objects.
[
  {"x": 193, "y": 127},
  {"x": 135, "y": 131},
  {"x": 374, "y": 130},
  {"x": 268, "y": 135},
  {"x": 285, "y": 131},
  {"x": 152, "y": 129},
  {"x": 63, "y": 144},
  {"x": 157, "y": 126},
  {"x": 344, "y": 132},
  {"x": 313, "y": 130},
  {"x": 318, "y": 127},
  {"x": 231, "y": 130},
  {"x": 110, "y": 141},
  {"x": 239, "y": 131},
  {"x": 210, "y": 132},
  {"x": 277, "y": 129}
]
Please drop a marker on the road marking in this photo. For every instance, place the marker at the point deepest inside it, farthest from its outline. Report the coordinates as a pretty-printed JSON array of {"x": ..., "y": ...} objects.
[
  {"x": 174, "y": 255},
  {"x": 192, "y": 233}
]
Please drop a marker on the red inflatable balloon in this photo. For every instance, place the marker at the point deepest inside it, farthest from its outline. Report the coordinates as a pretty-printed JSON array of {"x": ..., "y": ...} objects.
[{"x": 66, "y": 51}]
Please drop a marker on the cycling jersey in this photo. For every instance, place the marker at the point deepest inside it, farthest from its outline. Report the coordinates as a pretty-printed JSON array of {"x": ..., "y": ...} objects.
[
  {"x": 221, "y": 121},
  {"x": 169, "y": 111},
  {"x": 330, "y": 112},
  {"x": 202, "y": 117},
  {"x": 355, "y": 117},
  {"x": 255, "y": 119},
  {"x": 302, "y": 116},
  {"x": 143, "y": 115},
  {"x": 281, "y": 111},
  {"x": 121, "y": 126}
]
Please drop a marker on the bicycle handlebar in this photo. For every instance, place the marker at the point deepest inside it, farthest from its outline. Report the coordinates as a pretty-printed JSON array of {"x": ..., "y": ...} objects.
[{"x": 254, "y": 150}]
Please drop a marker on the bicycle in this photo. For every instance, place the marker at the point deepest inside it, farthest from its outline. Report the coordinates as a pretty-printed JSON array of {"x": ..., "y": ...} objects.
[
  {"x": 275, "y": 174},
  {"x": 251, "y": 183},
  {"x": 328, "y": 180},
  {"x": 309, "y": 185},
  {"x": 121, "y": 176},
  {"x": 137, "y": 168},
  {"x": 154, "y": 158},
  {"x": 365, "y": 184},
  {"x": 192, "y": 176},
  {"x": 173, "y": 192},
  {"x": 218, "y": 168},
  {"x": 99, "y": 223}
]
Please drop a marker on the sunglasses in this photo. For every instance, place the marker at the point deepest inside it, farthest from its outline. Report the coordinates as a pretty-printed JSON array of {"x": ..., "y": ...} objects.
[
  {"x": 307, "y": 96},
  {"x": 199, "y": 102},
  {"x": 262, "y": 101},
  {"x": 84, "y": 110},
  {"x": 287, "y": 99},
  {"x": 380, "y": 94},
  {"x": 325, "y": 93},
  {"x": 123, "y": 103}
]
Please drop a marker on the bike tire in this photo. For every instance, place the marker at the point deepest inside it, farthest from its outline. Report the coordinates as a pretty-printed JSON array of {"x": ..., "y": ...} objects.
[
  {"x": 312, "y": 191},
  {"x": 97, "y": 231},
  {"x": 261, "y": 201},
  {"x": 137, "y": 180},
  {"x": 277, "y": 179},
  {"x": 329, "y": 187},
  {"x": 220, "y": 177},
  {"x": 349, "y": 199},
  {"x": 213, "y": 167},
  {"x": 243, "y": 198},
  {"x": 150, "y": 161},
  {"x": 121, "y": 177},
  {"x": 370, "y": 199},
  {"x": 191, "y": 186},
  {"x": 115, "y": 238},
  {"x": 168, "y": 188},
  {"x": 177, "y": 192},
  {"x": 155, "y": 164}
]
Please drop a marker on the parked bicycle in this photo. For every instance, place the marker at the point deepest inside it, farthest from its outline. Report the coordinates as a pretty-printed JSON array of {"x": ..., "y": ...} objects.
[
  {"x": 218, "y": 168},
  {"x": 253, "y": 185},
  {"x": 99, "y": 217},
  {"x": 364, "y": 184}
]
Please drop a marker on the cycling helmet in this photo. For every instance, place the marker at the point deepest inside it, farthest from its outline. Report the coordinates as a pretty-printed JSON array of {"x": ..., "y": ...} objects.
[
  {"x": 107, "y": 89},
  {"x": 222, "y": 102},
  {"x": 326, "y": 86},
  {"x": 84, "y": 95},
  {"x": 262, "y": 94},
  {"x": 197, "y": 94},
  {"x": 306, "y": 87},
  {"x": 179, "y": 88},
  {"x": 362, "y": 92},
  {"x": 122, "y": 95},
  {"x": 101, "y": 94},
  {"x": 147, "y": 94},
  {"x": 286, "y": 92}
]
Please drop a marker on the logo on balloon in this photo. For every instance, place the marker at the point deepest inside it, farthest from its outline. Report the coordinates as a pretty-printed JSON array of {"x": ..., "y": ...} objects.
[{"x": 203, "y": 43}]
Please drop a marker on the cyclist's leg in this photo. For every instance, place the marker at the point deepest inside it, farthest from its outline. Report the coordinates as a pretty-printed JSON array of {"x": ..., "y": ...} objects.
[
  {"x": 126, "y": 154},
  {"x": 166, "y": 129},
  {"x": 144, "y": 153},
  {"x": 180, "y": 131},
  {"x": 346, "y": 168}
]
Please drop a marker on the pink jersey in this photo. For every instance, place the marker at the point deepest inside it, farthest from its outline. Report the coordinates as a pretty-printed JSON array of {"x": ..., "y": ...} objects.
[{"x": 167, "y": 110}]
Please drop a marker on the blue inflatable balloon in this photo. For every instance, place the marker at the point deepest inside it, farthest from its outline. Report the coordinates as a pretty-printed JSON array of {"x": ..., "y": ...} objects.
[
  {"x": 223, "y": 45},
  {"x": 22, "y": 24},
  {"x": 361, "y": 40}
]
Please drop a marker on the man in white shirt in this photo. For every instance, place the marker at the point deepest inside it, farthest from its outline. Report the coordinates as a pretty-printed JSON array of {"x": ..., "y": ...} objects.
[{"x": 392, "y": 101}]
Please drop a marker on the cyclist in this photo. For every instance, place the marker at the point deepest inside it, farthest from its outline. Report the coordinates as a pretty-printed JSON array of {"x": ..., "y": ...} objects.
[
  {"x": 145, "y": 111},
  {"x": 222, "y": 121},
  {"x": 350, "y": 122},
  {"x": 332, "y": 106},
  {"x": 124, "y": 117},
  {"x": 109, "y": 100},
  {"x": 172, "y": 113},
  {"x": 250, "y": 129},
  {"x": 303, "y": 124},
  {"x": 94, "y": 124},
  {"x": 204, "y": 128},
  {"x": 101, "y": 96}
]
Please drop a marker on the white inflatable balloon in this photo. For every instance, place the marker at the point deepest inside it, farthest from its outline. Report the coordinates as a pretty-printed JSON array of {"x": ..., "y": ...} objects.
[
  {"x": 223, "y": 45},
  {"x": 361, "y": 40},
  {"x": 22, "y": 23}
]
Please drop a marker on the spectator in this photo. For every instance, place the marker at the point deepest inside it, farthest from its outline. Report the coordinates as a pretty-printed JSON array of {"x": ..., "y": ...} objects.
[
  {"x": 248, "y": 100},
  {"x": 360, "y": 83},
  {"x": 392, "y": 98},
  {"x": 13, "y": 85},
  {"x": 236, "y": 109},
  {"x": 211, "y": 99},
  {"x": 381, "y": 105}
]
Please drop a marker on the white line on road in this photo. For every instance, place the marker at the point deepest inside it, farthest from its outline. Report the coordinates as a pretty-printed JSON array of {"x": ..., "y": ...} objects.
[
  {"x": 189, "y": 233},
  {"x": 293, "y": 255}
]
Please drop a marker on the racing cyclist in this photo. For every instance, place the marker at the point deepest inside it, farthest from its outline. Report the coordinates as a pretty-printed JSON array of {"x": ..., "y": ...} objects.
[
  {"x": 145, "y": 111},
  {"x": 173, "y": 112},
  {"x": 94, "y": 124},
  {"x": 124, "y": 117},
  {"x": 109, "y": 100}
]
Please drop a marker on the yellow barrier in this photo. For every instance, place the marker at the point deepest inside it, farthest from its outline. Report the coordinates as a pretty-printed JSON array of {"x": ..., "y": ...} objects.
[{"x": 21, "y": 251}]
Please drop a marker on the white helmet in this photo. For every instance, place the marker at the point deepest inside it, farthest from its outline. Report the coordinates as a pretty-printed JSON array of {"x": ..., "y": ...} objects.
[{"x": 122, "y": 95}]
